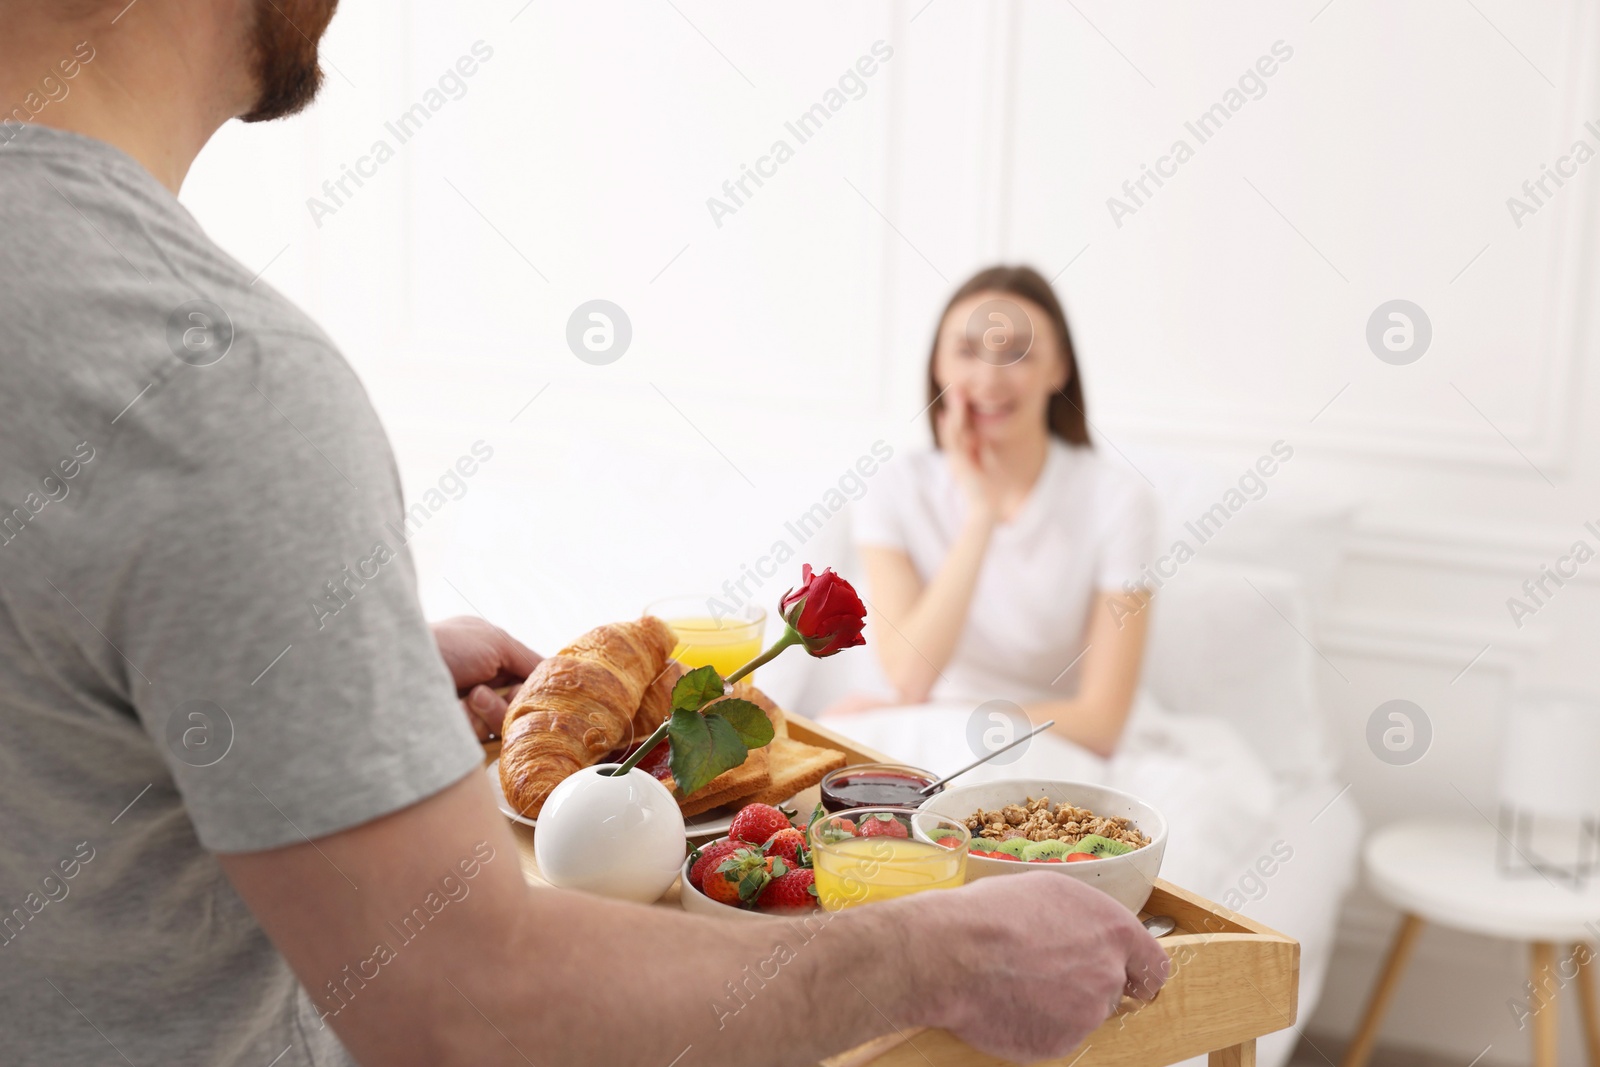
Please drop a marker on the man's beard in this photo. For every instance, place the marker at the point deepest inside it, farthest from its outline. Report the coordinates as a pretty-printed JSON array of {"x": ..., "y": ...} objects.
[{"x": 284, "y": 40}]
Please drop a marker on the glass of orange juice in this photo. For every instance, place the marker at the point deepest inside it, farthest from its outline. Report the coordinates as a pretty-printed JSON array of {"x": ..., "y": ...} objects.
[
  {"x": 865, "y": 854},
  {"x": 723, "y": 642}
]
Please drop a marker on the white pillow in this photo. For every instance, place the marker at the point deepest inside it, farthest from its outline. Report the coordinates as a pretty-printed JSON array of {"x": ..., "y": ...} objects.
[{"x": 1218, "y": 647}]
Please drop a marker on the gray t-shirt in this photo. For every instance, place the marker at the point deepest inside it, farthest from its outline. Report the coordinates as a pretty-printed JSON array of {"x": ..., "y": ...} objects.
[{"x": 210, "y": 639}]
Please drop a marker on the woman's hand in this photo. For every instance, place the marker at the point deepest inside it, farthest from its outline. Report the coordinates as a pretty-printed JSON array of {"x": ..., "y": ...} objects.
[
  {"x": 481, "y": 657},
  {"x": 973, "y": 463}
]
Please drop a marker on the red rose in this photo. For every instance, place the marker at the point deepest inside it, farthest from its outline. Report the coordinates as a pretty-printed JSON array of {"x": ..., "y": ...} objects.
[{"x": 825, "y": 611}]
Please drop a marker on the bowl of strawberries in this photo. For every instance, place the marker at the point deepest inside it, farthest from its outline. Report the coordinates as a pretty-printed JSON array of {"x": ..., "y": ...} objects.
[{"x": 761, "y": 869}]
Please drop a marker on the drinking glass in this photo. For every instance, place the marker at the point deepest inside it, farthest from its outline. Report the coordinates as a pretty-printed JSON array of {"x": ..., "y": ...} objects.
[
  {"x": 724, "y": 642},
  {"x": 865, "y": 854}
]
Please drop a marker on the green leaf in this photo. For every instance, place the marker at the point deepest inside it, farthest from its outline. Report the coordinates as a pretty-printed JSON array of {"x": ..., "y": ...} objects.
[
  {"x": 703, "y": 746},
  {"x": 696, "y": 689},
  {"x": 747, "y": 720}
]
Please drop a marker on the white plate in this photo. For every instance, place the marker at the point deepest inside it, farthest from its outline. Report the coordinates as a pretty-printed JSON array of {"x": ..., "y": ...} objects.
[{"x": 713, "y": 823}]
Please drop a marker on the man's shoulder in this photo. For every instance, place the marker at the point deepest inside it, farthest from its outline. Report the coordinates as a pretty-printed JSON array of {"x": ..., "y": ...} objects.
[{"x": 119, "y": 302}]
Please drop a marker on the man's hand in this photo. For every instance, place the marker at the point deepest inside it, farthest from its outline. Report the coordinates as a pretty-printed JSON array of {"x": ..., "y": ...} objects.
[
  {"x": 481, "y": 657},
  {"x": 989, "y": 983}
]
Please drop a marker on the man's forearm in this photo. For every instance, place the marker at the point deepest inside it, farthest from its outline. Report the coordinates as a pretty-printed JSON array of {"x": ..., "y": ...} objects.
[
  {"x": 665, "y": 987},
  {"x": 474, "y": 967}
]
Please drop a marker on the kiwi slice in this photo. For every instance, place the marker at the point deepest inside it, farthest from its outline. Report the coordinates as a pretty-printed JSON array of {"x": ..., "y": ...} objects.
[
  {"x": 1100, "y": 847},
  {"x": 1040, "y": 850},
  {"x": 1013, "y": 846}
]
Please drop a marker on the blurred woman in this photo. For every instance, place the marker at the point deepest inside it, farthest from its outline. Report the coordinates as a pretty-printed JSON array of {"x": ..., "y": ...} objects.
[
  {"x": 1003, "y": 562},
  {"x": 1003, "y": 572}
]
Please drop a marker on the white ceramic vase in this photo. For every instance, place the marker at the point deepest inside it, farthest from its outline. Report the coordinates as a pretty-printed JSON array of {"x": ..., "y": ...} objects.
[{"x": 615, "y": 836}]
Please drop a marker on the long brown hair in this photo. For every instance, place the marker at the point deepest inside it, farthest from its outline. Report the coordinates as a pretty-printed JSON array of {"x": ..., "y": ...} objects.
[{"x": 1065, "y": 415}]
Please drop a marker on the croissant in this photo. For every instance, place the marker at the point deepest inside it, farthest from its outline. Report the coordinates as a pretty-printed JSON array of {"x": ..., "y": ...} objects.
[
  {"x": 657, "y": 703},
  {"x": 577, "y": 706}
]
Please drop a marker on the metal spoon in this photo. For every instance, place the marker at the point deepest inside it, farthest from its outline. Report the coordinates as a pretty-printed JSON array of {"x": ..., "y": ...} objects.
[
  {"x": 985, "y": 758},
  {"x": 1160, "y": 925}
]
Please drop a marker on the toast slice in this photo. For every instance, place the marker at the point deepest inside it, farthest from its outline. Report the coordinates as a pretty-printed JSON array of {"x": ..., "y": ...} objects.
[{"x": 795, "y": 765}]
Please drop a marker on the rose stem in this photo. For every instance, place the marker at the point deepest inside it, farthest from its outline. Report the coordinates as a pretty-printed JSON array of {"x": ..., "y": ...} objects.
[
  {"x": 790, "y": 637},
  {"x": 644, "y": 750}
]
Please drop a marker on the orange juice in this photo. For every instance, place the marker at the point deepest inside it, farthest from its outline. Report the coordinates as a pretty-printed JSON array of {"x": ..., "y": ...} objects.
[
  {"x": 864, "y": 869},
  {"x": 722, "y": 644}
]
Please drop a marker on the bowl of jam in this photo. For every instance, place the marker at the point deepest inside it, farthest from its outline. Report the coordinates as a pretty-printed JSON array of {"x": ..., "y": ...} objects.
[{"x": 876, "y": 785}]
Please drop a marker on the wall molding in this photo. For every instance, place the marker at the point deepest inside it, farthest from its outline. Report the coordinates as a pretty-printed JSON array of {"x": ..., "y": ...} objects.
[
  {"x": 1462, "y": 445},
  {"x": 1470, "y": 546},
  {"x": 1433, "y": 640}
]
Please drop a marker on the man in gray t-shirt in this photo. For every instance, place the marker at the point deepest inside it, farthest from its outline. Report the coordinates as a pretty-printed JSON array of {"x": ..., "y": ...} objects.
[
  {"x": 188, "y": 466},
  {"x": 231, "y": 754}
]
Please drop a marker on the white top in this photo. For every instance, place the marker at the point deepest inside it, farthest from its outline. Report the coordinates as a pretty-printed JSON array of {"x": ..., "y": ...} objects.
[
  {"x": 1087, "y": 526},
  {"x": 1445, "y": 872}
]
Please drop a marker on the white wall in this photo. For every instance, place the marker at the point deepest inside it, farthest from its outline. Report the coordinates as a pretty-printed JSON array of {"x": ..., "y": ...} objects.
[
  {"x": 769, "y": 352},
  {"x": 1387, "y": 147}
]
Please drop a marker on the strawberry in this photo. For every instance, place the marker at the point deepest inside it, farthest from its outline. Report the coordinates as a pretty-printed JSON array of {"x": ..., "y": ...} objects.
[
  {"x": 756, "y": 823},
  {"x": 1001, "y": 856},
  {"x": 947, "y": 838},
  {"x": 708, "y": 858},
  {"x": 881, "y": 824},
  {"x": 1079, "y": 857},
  {"x": 741, "y": 876},
  {"x": 789, "y": 845},
  {"x": 796, "y": 890}
]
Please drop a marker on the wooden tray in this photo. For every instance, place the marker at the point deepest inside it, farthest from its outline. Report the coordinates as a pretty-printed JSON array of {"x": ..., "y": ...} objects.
[{"x": 1232, "y": 979}]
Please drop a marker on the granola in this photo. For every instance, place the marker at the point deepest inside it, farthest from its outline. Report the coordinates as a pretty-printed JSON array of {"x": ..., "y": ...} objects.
[{"x": 1035, "y": 820}]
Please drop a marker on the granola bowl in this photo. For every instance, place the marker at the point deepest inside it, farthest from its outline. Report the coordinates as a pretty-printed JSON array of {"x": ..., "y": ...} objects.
[{"x": 1126, "y": 878}]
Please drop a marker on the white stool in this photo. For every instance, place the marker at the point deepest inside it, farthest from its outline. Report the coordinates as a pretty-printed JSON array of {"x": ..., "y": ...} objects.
[{"x": 1444, "y": 872}]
